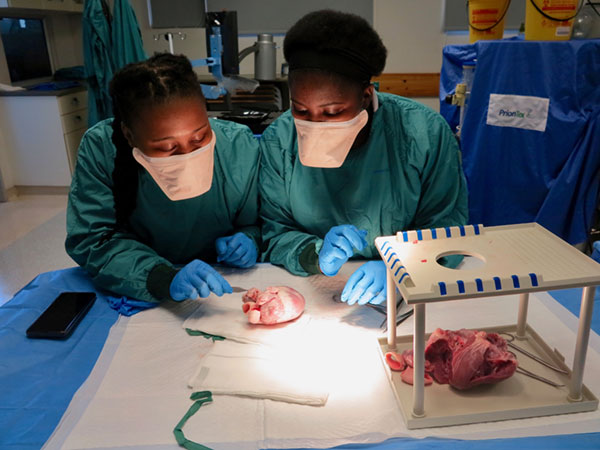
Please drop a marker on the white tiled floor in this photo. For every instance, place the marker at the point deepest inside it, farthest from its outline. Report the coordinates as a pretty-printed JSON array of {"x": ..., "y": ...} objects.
[
  {"x": 21, "y": 215},
  {"x": 32, "y": 236}
]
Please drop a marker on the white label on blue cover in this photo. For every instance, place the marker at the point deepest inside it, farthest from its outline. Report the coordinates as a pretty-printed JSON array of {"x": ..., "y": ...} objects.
[{"x": 518, "y": 111}]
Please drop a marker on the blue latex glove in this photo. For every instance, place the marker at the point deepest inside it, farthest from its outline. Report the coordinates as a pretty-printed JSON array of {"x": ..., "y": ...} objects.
[
  {"x": 198, "y": 279},
  {"x": 337, "y": 247},
  {"x": 367, "y": 285},
  {"x": 129, "y": 306},
  {"x": 237, "y": 251}
]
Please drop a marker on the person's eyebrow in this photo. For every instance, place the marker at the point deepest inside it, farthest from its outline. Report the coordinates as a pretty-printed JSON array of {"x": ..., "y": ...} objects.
[
  {"x": 173, "y": 137},
  {"x": 320, "y": 106}
]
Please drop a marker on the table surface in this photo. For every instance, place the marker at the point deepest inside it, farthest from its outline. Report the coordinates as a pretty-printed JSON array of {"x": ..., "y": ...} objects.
[{"x": 43, "y": 376}]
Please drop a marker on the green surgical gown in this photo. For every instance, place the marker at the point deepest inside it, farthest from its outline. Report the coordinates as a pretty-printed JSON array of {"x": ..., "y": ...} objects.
[
  {"x": 98, "y": 63},
  {"x": 127, "y": 46},
  {"x": 163, "y": 234},
  {"x": 408, "y": 175}
]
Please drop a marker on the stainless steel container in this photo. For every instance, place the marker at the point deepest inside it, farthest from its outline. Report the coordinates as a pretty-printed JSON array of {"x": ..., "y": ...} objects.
[{"x": 264, "y": 57}]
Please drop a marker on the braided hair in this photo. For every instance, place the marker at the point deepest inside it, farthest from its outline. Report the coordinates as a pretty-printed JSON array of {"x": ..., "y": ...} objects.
[{"x": 157, "y": 80}]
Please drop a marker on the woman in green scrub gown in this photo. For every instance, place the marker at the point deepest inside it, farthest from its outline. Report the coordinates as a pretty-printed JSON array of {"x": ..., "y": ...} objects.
[
  {"x": 160, "y": 192},
  {"x": 347, "y": 164}
]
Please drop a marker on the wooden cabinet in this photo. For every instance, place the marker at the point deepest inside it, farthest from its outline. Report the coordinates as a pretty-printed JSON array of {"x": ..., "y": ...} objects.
[
  {"x": 42, "y": 135},
  {"x": 63, "y": 5},
  {"x": 54, "y": 5},
  {"x": 35, "y": 4},
  {"x": 45, "y": 5}
]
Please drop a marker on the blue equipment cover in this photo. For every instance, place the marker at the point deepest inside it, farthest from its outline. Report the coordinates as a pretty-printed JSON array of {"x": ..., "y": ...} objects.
[{"x": 518, "y": 175}]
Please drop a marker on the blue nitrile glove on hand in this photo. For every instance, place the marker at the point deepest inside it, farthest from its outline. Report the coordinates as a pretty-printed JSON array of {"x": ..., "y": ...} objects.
[
  {"x": 337, "y": 247},
  {"x": 367, "y": 285},
  {"x": 237, "y": 251},
  {"x": 198, "y": 279}
]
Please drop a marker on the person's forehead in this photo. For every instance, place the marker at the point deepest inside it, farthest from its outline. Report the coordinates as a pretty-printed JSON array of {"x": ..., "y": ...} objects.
[
  {"x": 316, "y": 86},
  {"x": 176, "y": 109},
  {"x": 172, "y": 118},
  {"x": 178, "y": 105}
]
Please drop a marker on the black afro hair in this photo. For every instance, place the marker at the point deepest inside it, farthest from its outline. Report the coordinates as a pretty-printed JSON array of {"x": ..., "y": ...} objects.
[{"x": 329, "y": 30}]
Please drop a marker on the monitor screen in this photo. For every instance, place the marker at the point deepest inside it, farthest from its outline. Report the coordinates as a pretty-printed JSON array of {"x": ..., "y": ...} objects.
[
  {"x": 25, "y": 49},
  {"x": 176, "y": 14}
]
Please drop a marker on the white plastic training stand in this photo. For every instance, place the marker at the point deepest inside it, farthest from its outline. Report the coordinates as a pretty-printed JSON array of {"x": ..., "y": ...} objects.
[{"x": 518, "y": 259}]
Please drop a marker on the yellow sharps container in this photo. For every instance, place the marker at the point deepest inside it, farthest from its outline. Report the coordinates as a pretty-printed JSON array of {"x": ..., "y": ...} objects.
[
  {"x": 486, "y": 19},
  {"x": 550, "y": 20}
]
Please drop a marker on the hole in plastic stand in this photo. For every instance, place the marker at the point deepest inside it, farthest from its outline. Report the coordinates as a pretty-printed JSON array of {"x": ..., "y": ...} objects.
[{"x": 470, "y": 260}]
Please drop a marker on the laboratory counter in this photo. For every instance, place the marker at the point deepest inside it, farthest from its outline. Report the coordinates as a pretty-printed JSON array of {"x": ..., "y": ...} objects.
[{"x": 43, "y": 92}]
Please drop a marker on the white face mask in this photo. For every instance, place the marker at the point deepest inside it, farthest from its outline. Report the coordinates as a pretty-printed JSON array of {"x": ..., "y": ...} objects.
[
  {"x": 182, "y": 176},
  {"x": 326, "y": 144}
]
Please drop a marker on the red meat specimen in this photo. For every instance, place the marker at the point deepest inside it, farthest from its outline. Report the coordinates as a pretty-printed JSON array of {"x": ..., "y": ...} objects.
[
  {"x": 439, "y": 349},
  {"x": 276, "y": 304},
  {"x": 408, "y": 376},
  {"x": 408, "y": 358},
  {"x": 482, "y": 361},
  {"x": 404, "y": 363},
  {"x": 466, "y": 358},
  {"x": 395, "y": 361},
  {"x": 463, "y": 359}
]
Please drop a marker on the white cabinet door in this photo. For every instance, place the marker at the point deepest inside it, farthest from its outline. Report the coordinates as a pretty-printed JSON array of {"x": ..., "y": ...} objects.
[
  {"x": 75, "y": 120},
  {"x": 72, "y": 102},
  {"x": 33, "y": 134}
]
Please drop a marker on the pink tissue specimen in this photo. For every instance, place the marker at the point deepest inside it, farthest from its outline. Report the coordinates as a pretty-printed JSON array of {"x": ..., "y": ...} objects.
[
  {"x": 463, "y": 359},
  {"x": 404, "y": 363},
  {"x": 276, "y": 304}
]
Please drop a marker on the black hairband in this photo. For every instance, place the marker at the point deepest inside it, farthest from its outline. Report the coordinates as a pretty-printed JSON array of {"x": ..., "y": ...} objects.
[{"x": 342, "y": 61}]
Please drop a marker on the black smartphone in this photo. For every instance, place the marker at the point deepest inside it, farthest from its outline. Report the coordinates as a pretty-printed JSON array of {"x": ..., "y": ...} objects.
[{"x": 60, "y": 318}]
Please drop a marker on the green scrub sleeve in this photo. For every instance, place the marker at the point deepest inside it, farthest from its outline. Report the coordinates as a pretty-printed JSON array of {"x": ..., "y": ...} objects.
[
  {"x": 284, "y": 242},
  {"x": 115, "y": 260},
  {"x": 444, "y": 200},
  {"x": 159, "y": 281},
  {"x": 309, "y": 259}
]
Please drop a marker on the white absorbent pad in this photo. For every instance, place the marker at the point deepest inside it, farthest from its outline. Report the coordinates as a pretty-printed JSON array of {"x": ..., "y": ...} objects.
[
  {"x": 294, "y": 375},
  {"x": 223, "y": 316}
]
